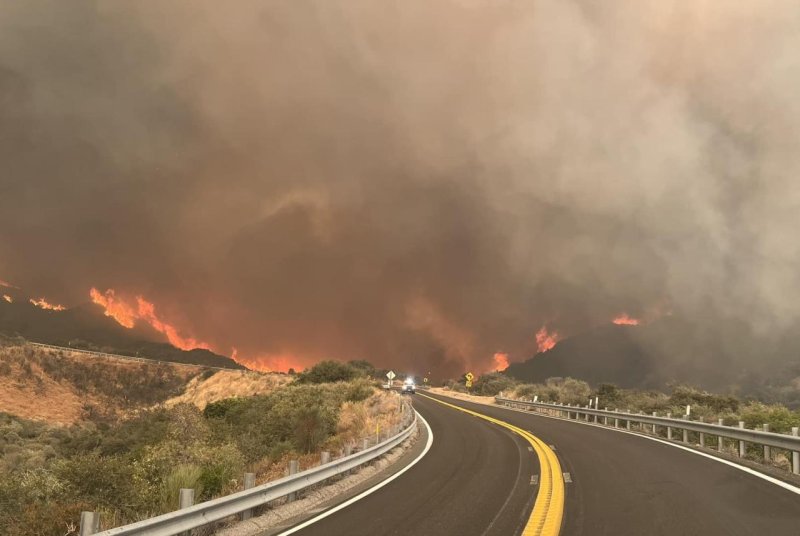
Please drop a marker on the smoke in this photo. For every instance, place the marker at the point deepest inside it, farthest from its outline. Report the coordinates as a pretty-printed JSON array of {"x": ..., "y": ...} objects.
[{"x": 419, "y": 184}]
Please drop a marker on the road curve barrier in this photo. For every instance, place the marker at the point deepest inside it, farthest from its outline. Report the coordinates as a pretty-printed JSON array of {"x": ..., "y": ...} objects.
[
  {"x": 651, "y": 424},
  {"x": 221, "y": 508}
]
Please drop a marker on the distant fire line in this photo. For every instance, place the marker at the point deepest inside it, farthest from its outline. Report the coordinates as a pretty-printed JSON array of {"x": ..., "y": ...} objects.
[{"x": 43, "y": 304}]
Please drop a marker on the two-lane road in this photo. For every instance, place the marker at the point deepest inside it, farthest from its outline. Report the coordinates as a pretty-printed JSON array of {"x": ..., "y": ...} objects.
[{"x": 475, "y": 480}]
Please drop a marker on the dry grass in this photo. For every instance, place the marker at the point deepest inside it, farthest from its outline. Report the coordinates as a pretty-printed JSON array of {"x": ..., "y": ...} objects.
[
  {"x": 223, "y": 384},
  {"x": 462, "y": 396},
  {"x": 64, "y": 387},
  {"x": 357, "y": 420}
]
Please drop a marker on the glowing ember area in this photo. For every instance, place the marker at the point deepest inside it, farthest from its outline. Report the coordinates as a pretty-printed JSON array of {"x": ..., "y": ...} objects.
[
  {"x": 545, "y": 339},
  {"x": 6, "y": 284},
  {"x": 43, "y": 304},
  {"x": 127, "y": 316},
  {"x": 625, "y": 320},
  {"x": 8, "y": 298},
  {"x": 500, "y": 361}
]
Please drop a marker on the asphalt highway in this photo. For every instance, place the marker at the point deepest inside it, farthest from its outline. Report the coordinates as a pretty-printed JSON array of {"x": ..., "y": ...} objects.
[
  {"x": 623, "y": 484},
  {"x": 475, "y": 480}
]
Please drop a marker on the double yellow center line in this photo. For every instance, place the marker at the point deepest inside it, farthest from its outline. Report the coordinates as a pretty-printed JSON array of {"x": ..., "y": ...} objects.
[{"x": 548, "y": 510}]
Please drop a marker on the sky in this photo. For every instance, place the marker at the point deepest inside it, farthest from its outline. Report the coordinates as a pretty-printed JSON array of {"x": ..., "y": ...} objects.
[{"x": 419, "y": 184}]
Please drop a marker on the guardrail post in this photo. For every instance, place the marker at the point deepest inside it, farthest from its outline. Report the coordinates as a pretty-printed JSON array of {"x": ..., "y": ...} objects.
[
  {"x": 702, "y": 439},
  {"x": 365, "y": 444},
  {"x": 720, "y": 439},
  {"x": 654, "y": 426},
  {"x": 294, "y": 468},
  {"x": 767, "y": 450},
  {"x": 616, "y": 419},
  {"x": 741, "y": 443},
  {"x": 325, "y": 457},
  {"x": 629, "y": 420},
  {"x": 90, "y": 523},
  {"x": 795, "y": 454},
  {"x": 685, "y": 431},
  {"x": 605, "y": 417},
  {"x": 248, "y": 482},
  {"x": 669, "y": 428},
  {"x": 185, "y": 500}
]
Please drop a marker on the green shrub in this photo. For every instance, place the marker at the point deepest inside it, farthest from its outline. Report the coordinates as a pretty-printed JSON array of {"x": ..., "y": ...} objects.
[
  {"x": 492, "y": 384},
  {"x": 328, "y": 372}
]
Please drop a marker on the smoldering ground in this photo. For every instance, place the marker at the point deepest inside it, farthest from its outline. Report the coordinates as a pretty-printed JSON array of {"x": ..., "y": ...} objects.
[{"x": 422, "y": 183}]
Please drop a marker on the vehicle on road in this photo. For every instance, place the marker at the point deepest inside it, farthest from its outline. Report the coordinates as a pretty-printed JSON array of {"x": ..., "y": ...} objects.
[{"x": 409, "y": 387}]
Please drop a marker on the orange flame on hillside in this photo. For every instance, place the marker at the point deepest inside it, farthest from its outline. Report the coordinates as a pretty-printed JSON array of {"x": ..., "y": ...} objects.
[
  {"x": 126, "y": 315},
  {"x": 545, "y": 339},
  {"x": 8, "y": 298},
  {"x": 43, "y": 304},
  {"x": 625, "y": 320},
  {"x": 268, "y": 362},
  {"x": 500, "y": 361}
]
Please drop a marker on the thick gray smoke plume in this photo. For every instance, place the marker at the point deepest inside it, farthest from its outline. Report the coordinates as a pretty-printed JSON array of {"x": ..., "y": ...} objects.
[{"x": 417, "y": 183}]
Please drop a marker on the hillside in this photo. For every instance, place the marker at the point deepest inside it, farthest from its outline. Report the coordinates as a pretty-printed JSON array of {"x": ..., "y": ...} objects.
[
  {"x": 204, "y": 389},
  {"x": 673, "y": 350},
  {"x": 66, "y": 387},
  {"x": 86, "y": 327}
]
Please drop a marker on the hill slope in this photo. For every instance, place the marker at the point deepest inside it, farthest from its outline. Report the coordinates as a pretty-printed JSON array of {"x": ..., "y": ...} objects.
[
  {"x": 86, "y": 327},
  {"x": 672, "y": 350}
]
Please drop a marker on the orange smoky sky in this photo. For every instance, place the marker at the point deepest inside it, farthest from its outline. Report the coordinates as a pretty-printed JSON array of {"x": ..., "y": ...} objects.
[{"x": 416, "y": 184}]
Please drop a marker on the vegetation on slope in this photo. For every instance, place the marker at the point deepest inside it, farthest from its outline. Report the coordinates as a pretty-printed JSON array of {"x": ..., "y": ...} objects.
[{"x": 133, "y": 468}]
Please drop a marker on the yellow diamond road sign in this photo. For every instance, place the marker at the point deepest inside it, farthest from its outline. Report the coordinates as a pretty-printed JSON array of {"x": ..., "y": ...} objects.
[{"x": 469, "y": 376}]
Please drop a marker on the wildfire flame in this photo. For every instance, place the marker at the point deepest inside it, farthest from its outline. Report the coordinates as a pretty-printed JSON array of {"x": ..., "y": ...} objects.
[
  {"x": 43, "y": 304},
  {"x": 500, "y": 361},
  {"x": 114, "y": 307},
  {"x": 8, "y": 298},
  {"x": 545, "y": 339},
  {"x": 625, "y": 320},
  {"x": 127, "y": 315},
  {"x": 268, "y": 362}
]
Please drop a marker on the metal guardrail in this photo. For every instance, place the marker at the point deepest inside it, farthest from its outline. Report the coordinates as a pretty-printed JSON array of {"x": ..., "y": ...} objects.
[
  {"x": 218, "y": 509},
  {"x": 129, "y": 357},
  {"x": 741, "y": 434}
]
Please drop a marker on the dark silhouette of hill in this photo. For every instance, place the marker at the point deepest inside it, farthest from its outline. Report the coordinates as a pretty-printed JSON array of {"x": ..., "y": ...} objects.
[
  {"x": 86, "y": 327},
  {"x": 728, "y": 357}
]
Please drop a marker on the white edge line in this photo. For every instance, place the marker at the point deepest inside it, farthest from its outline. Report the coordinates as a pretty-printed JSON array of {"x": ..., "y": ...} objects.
[
  {"x": 371, "y": 490},
  {"x": 777, "y": 482}
]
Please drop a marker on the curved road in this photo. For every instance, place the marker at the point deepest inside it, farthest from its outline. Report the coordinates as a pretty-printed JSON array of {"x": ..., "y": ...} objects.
[
  {"x": 624, "y": 484},
  {"x": 476, "y": 480}
]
